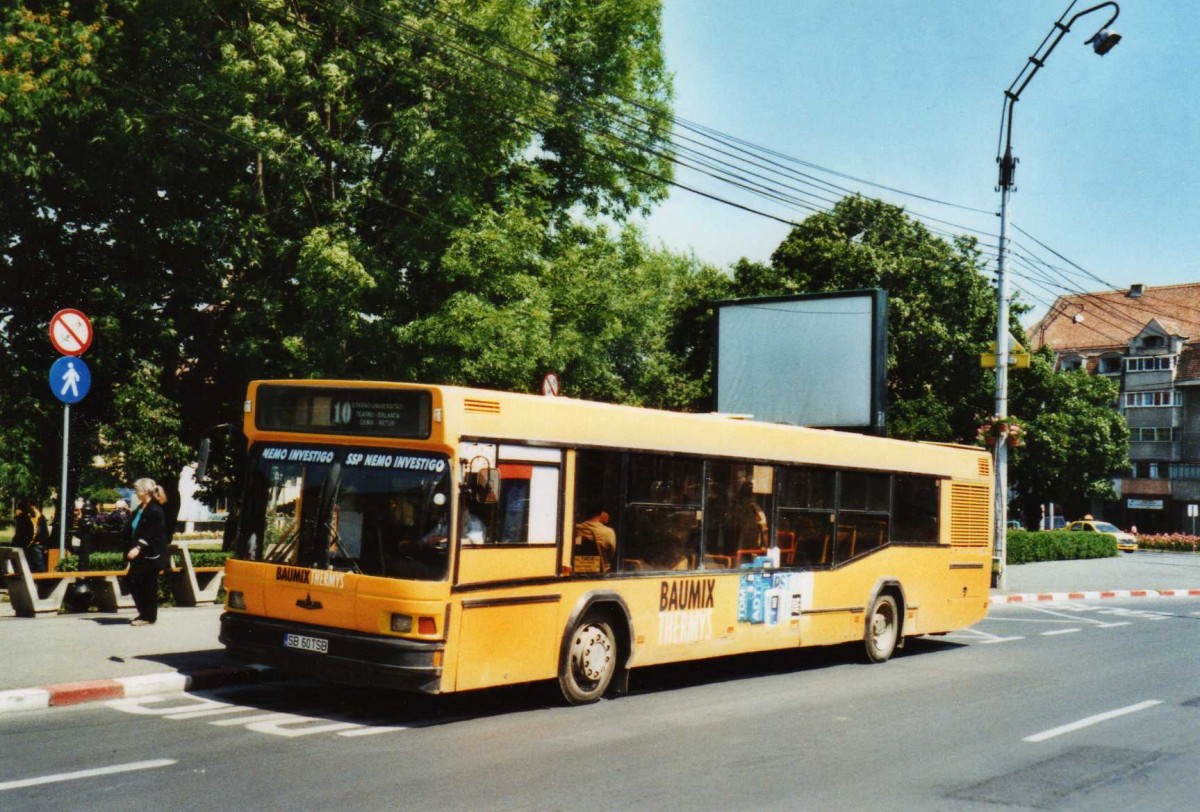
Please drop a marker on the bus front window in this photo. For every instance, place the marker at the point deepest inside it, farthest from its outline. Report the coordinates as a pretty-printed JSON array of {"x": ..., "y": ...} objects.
[
  {"x": 346, "y": 510},
  {"x": 385, "y": 523}
]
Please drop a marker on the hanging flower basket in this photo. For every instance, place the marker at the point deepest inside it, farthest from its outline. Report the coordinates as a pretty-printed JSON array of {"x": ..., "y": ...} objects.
[{"x": 995, "y": 429}]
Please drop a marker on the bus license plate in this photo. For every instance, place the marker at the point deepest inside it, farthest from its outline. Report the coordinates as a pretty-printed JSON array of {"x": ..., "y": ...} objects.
[{"x": 305, "y": 643}]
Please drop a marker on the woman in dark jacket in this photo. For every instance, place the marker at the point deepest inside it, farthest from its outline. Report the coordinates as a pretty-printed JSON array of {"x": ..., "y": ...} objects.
[{"x": 148, "y": 549}]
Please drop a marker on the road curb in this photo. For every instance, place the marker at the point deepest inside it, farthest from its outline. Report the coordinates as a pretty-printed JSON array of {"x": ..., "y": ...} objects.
[
  {"x": 75, "y": 693},
  {"x": 1035, "y": 597}
]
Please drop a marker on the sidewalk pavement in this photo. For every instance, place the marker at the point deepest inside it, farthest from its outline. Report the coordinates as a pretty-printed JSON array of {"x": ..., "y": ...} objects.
[{"x": 68, "y": 659}]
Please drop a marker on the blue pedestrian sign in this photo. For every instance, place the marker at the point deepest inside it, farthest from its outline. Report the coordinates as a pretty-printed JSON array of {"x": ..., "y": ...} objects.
[{"x": 70, "y": 379}]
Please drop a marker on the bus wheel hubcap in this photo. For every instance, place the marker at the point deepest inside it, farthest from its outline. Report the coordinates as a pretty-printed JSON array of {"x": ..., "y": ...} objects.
[{"x": 593, "y": 653}]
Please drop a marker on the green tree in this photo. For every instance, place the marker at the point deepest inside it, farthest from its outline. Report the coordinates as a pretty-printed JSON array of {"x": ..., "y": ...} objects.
[
  {"x": 253, "y": 188},
  {"x": 940, "y": 307},
  {"x": 941, "y": 318},
  {"x": 1076, "y": 441}
]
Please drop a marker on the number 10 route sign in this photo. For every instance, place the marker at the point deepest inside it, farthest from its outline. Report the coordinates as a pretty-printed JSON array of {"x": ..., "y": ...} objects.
[{"x": 70, "y": 332}]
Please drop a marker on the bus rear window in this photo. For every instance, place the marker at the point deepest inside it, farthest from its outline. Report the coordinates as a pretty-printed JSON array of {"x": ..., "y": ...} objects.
[{"x": 340, "y": 410}]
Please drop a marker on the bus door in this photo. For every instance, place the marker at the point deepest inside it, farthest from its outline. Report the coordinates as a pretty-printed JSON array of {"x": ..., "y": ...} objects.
[{"x": 508, "y": 557}]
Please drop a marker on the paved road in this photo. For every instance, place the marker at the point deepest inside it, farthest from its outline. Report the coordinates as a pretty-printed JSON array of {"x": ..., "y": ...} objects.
[{"x": 1064, "y": 706}]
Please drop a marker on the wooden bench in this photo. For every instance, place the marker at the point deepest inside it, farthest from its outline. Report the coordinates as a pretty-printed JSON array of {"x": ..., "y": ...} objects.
[{"x": 41, "y": 594}]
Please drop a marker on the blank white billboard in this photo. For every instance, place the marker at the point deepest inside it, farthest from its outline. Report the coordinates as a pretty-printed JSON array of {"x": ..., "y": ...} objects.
[{"x": 811, "y": 360}]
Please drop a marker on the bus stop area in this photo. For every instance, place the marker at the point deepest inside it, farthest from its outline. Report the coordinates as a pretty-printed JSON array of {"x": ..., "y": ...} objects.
[{"x": 73, "y": 658}]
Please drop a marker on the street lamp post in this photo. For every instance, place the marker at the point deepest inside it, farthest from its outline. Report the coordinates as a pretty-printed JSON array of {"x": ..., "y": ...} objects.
[{"x": 1102, "y": 42}]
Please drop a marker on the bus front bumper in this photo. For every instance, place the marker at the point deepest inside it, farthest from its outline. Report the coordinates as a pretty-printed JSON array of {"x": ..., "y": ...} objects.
[{"x": 334, "y": 654}]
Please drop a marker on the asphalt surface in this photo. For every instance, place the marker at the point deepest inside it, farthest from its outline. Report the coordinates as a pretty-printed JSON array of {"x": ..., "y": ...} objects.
[{"x": 77, "y": 657}]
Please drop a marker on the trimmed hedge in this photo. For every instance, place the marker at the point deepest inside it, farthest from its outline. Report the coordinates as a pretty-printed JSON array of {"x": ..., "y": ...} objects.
[
  {"x": 1028, "y": 546},
  {"x": 116, "y": 561},
  {"x": 96, "y": 561}
]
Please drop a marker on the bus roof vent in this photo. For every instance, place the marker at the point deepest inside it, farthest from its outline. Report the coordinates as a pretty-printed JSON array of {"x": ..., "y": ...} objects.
[
  {"x": 482, "y": 406},
  {"x": 970, "y": 515},
  {"x": 985, "y": 466}
]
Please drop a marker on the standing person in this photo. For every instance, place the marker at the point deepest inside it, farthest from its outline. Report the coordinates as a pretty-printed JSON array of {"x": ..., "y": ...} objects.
[
  {"x": 148, "y": 551},
  {"x": 32, "y": 535}
]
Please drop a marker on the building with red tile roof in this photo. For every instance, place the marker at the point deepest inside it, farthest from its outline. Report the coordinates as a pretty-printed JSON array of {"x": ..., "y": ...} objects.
[{"x": 1148, "y": 340}]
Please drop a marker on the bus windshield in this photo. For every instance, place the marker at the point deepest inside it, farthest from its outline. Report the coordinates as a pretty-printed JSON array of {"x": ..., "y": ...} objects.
[{"x": 354, "y": 510}]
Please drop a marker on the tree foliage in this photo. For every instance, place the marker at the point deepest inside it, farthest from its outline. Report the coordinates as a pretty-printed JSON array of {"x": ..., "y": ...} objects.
[
  {"x": 940, "y": 308},
  {"x": 258, "y": 188},
  {"x": 942, "y": 315},
  {"x": 1076, "y": 441}
]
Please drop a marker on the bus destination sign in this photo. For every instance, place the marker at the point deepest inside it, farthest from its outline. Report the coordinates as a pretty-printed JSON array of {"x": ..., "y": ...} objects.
[{"x": 337, "y": 410}]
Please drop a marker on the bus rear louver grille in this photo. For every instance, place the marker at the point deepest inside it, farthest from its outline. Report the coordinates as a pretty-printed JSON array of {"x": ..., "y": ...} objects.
[
  {"x": 985, "y": 466},
  {"x": 970, "y": 515}
]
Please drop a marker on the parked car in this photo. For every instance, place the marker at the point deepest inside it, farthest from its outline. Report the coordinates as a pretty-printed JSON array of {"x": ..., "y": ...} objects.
[{"x": 1125, "y": 541}]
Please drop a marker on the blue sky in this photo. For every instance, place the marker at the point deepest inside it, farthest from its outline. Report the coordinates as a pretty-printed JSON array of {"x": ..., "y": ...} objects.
[{"x": 909, "y": 95}]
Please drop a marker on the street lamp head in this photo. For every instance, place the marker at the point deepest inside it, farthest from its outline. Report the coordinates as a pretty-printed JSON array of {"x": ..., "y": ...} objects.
[{"x": 1104, "y": 41}]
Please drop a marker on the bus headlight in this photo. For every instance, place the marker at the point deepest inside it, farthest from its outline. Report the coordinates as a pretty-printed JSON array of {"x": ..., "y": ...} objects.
[
  {"x": 402, "y": 623},
  {"x": 235, "y": 599}
]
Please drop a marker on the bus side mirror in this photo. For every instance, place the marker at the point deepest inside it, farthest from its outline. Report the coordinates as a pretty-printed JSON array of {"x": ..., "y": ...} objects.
[{"x": 486, "y": 486}]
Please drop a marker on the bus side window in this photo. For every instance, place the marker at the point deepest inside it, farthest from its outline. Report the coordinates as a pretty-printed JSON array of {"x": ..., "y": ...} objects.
[
  {"x": 806, "y": 506},
  {"x": 662, "y": 513},
  {"x": 527, "y": 511},
  {"x": 597, "y": 489}
]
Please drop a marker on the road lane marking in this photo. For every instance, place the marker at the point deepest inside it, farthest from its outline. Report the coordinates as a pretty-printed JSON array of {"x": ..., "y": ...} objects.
[
  {"x": 373, "y": 731},
  {"x": 1060, "y": 631},
  {"x": 1113, "y": 625},
  {"x": 1071, "y": 618},
  {"x": 1091, "y": 720},
  {"x": 92, "y": 773},
  {"x": 981, "y": 636}
]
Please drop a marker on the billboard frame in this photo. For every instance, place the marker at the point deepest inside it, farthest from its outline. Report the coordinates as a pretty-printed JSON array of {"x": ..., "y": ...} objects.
[{"x": 878, "y": 347}]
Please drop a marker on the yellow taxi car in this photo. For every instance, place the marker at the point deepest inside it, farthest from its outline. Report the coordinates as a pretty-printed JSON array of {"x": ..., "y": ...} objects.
[{"x": 1125, "y": 541}]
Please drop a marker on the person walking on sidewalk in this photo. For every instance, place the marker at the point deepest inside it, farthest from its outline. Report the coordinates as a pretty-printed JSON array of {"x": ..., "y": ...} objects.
[{"x": 148, "y": 551}]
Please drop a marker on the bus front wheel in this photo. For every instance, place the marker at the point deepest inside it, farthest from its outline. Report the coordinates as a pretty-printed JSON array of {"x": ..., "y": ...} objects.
[
  {"x": 883, "y": 629},
  {"x": 588, "y": 663}
]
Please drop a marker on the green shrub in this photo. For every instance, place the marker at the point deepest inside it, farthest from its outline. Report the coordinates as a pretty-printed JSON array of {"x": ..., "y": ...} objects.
[
  {"x": 96, "y": 561},
  {"x": 209, "y": 558},
  {"x": 1027, "y": 546}
]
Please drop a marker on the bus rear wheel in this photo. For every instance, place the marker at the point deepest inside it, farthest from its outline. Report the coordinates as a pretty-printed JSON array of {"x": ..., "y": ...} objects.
[
  {"x": 883, "y": 629},
  {"x": 589, "y": 662}
]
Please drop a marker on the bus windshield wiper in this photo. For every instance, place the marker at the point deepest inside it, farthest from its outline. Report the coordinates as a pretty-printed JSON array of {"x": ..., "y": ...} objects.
[{"x": 345, "y": 553}]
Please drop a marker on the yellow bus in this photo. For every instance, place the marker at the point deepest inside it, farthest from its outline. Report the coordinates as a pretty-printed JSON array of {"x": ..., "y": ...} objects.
[{"x": 441, "y": 539}]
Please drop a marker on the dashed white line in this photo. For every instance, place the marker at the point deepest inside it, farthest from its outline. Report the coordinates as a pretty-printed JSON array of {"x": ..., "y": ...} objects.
[
  {"x": 1091, "y": 720},
  {"x": 92, "y": 773},
  {"x": 1113, "y": 625}
]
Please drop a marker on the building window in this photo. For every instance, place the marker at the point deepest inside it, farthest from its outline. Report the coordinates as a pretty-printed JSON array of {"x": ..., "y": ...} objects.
[
  {"x": 1153, "y": 341},
  {"x": 1152, "y": 470},
  {"x": 1110, "y": 365},
  {"x": 1159, "y": 397},
  {"x": 1184, "y": 471},
  {"x": 1154, "y": 363},
  {"x": 1150, "y": 434},
  {"x": 1070, "y": 363}
]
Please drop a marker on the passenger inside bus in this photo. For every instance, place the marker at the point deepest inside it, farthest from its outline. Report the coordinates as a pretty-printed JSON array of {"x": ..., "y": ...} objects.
[{"x": 593, "y": 536}]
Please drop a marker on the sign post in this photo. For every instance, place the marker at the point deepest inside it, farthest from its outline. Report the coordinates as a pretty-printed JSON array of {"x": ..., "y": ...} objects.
[
  {"x": 70, "y": 380},
  {"x": 1192, "y": 511}
]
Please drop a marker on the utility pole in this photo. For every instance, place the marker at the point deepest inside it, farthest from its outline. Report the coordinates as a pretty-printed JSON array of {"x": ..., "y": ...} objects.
[{"x": 1102, "y": 42}]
